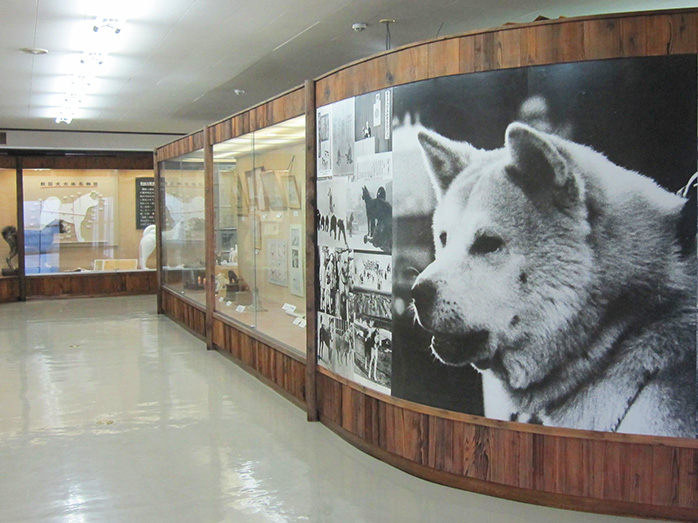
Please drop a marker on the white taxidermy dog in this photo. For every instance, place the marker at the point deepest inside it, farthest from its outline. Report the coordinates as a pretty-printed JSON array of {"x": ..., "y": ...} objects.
[{"x": 559, "y": 273}]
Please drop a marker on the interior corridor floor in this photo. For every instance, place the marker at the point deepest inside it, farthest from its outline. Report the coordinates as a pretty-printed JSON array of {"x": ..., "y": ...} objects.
[{"x": 110, "y": 413}]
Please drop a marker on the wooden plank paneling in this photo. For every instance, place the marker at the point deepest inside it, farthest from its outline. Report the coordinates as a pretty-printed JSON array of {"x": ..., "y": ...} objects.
[
  {"x": 92, "y": 284},
  {"x": 647, "y": 475},
  {"x": 9, "y": 289},
  {"x": 408, "y": 65},
  {"x": 275, "y": 367},
  {"x": 443, "y": 58},
  {"x": 538, "y": 43},
  {"x": 120, "y": 160},
  {"x": 185, "y": 145},
  {"x": 270, "y": 112},
  {"x": 187, "y": 314}
]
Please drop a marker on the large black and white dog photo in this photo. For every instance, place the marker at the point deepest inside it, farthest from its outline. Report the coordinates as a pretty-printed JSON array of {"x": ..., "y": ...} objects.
[{"x": 549, "y": 274}]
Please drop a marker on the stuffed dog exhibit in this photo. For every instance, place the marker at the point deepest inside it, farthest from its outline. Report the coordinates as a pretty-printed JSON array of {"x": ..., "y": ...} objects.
[{"x": 558, "y": 274}]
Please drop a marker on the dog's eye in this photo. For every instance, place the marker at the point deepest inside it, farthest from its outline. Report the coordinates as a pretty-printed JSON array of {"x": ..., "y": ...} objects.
[
  {"x": 443, "y": 237},
  {"x": 484, "y": 244}
]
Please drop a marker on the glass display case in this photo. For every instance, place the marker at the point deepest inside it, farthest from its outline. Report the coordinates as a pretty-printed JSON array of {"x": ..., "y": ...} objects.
[
  {"x": 8, "y": 221},
  {"x": 87, "y": 220},
  {"x": 259, "y": 195},
  {"x": 183, "y": 236}
]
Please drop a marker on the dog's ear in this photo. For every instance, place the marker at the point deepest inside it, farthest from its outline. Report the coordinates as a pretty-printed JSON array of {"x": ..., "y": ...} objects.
[
  {"x": 537, "y": 163},
  {"x": 445, "y": 158}
]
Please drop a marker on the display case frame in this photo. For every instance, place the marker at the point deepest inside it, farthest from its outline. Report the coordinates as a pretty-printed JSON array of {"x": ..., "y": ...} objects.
[{"x": 81, "y": 284}]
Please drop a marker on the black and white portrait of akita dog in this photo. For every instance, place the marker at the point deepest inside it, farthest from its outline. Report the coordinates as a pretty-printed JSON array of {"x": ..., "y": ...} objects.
[{"x": 558, "y": 274}]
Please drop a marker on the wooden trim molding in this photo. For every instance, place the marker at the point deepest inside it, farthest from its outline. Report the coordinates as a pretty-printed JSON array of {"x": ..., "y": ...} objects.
[
  {"x": 209, "y": 236},
  {"x": 159, "y": 221},
  {"x": 311, "y": 280}
]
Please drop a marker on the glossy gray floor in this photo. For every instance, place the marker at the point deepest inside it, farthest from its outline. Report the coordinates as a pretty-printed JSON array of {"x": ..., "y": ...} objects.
[{"x": 111, "y": 413}]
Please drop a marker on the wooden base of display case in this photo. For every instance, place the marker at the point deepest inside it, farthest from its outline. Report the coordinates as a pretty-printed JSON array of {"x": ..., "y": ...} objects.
[
  {"x": 572, "y": 469},
  {"x": 91, "y": 284},
  {"x": 279, "y": 367},
  {"x": 186, "y": 312},
  {"x": 9, "y": 289}
]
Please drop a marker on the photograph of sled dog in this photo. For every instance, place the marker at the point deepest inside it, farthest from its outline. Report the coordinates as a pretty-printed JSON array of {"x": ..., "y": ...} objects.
[{"x": 559, "y": 275}]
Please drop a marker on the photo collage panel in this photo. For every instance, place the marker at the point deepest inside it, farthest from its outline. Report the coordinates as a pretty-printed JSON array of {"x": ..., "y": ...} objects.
[{"x": 354, "y": 232}]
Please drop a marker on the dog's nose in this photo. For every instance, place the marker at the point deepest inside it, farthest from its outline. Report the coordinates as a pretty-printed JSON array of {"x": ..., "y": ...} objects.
[{"x": 424, "y": 294}]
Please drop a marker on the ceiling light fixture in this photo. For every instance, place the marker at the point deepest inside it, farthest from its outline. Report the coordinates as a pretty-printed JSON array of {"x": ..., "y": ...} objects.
[
  {"x": 98, "y": 39},
  {"x": 34, "y": 50}
]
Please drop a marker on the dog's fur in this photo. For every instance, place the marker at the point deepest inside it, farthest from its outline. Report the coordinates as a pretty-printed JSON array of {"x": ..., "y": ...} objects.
[
  {"x": 560, "y": 273},
  {"x": 379, "y": 214}
]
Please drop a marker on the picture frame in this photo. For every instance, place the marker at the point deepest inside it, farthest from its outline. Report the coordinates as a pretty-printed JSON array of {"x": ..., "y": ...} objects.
[
  {"x": 296, "y": 266},
  {"x": 228, "y": 238},
  {"x": 292, "y": 195},
  {"x": 277, "y": 262},
  {"x": 242, "y": 197},
  {"x": 255, "y": 192},
  {"x": 273, "y": 197}
]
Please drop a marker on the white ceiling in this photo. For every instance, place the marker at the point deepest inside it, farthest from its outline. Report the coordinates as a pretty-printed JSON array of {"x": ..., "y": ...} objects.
[{"x": 180, "y": 61}]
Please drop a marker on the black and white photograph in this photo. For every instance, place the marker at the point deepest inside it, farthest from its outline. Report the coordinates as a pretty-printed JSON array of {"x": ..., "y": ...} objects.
[
  {"x": 372, "y": 354},
  {"x": 373, "y": 123},
  {"x": 334, "y": 276},
  {"x": 324, "y": 143},
  {"x": 343, "y": 138},
  {"x": 331, "y": 214},
  {"x": 326, "y": 340},
  {"x": 545, "y": 245},
  {"x": 372, "y": 273},
  {"x": 369, "y": 215}
]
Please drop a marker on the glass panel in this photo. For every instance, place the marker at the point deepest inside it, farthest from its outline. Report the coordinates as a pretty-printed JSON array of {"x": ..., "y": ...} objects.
[
  {"x": 85, "y": 220},
  {"x": 260, "y": 230},
  {"x": 8, "y": 220},
  {"x": 234, "y": 197},
  {"x": 183, "y": 238},
  {"x": 279, "y": 153}
]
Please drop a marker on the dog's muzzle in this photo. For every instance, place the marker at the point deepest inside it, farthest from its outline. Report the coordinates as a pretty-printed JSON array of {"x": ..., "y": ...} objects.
[{"x": 461, "y": 349}]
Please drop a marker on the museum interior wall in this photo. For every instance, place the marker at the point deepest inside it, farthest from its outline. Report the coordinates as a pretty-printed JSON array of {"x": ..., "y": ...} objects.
[{"x": 499, "y": 245}]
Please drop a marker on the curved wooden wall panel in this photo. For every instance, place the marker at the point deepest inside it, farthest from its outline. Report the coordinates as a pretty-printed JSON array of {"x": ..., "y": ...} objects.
[
  {"x": 92, "y": 284},
  {"x": 189, "y": 315},
  {"x": 283, "y": 107},
  {"x": 601, "y": 472},
  {"x": 9, "y": 289},
  {"x": 611, "y": 473},
  {"x": 540, "y": 43},
  {"x": 283, "y": 370},
  {"x": 187, "y": 144}
]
